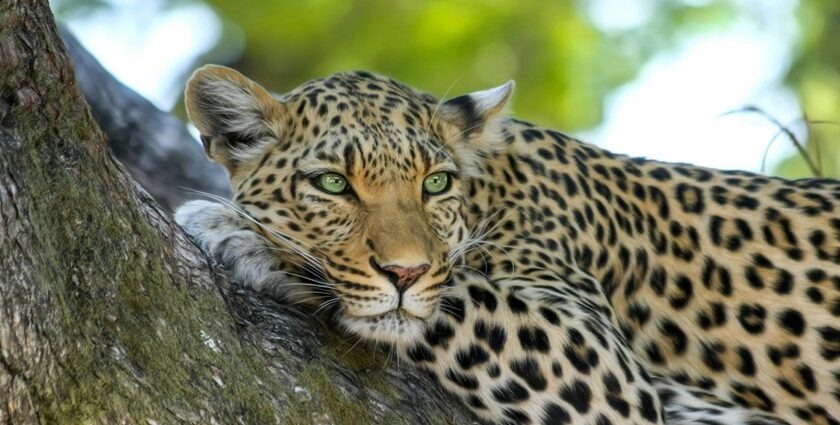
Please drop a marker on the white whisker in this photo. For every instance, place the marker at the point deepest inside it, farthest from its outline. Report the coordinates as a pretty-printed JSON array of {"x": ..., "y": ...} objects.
[
  {"x": 286, "y": 240},
  {"x": 441, "y": 102}
]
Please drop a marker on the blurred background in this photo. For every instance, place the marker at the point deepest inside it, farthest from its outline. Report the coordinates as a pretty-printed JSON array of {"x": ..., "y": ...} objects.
[{"x": 721, "y": 83}]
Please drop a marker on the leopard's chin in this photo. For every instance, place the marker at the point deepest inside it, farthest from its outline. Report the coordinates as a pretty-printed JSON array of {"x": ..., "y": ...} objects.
[{"x": 394, "y": 327}]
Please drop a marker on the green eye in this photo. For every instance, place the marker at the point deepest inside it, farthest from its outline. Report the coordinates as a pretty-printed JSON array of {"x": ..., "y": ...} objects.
[
  {"x": 332, "y": 183},
  {"x": 436, "y": 183}
]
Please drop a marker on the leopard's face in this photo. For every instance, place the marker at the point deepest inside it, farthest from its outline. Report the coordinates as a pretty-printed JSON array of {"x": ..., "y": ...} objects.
[
  {"x": 373, "y": 209},
  {"x": 358, "y": 181}
]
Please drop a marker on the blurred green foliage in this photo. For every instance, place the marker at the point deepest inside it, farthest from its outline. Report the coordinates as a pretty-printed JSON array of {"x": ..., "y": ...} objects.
[
  {"x": 815, "y": 75},
  {"x": 564, "y": 64}
]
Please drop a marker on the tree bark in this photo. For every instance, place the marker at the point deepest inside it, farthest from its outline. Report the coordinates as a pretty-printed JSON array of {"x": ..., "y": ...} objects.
[{"x": 109, "y": 314}]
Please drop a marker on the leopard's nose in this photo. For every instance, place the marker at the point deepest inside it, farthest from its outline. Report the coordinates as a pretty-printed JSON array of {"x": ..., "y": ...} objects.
[{"x": 401, "y": 276}]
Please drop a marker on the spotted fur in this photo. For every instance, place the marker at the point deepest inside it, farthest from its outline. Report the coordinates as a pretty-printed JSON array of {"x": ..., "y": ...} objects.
[{"x": 565, "y": 284}]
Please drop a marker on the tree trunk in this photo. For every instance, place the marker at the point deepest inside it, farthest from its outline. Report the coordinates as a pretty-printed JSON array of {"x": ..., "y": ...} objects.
[{"x": 109, "y": 314}]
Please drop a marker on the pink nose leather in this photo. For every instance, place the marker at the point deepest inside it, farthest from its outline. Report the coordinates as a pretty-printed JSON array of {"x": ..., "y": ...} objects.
[{"x": 406, "y": 276}]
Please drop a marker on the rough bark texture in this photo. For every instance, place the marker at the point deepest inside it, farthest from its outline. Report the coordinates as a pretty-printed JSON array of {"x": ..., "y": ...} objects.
[{"x": 109, "y": 314}]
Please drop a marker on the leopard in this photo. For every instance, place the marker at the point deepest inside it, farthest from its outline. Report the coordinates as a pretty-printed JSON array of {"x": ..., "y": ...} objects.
[{"x": 537, "y": 278}]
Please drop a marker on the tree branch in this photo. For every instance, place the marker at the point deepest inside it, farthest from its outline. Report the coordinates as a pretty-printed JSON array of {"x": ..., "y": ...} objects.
[{"x": 154, "y": 146}]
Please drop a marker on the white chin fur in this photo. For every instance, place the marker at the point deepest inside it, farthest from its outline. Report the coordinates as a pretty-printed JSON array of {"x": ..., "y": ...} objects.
[{"x": 391, "y": 327}]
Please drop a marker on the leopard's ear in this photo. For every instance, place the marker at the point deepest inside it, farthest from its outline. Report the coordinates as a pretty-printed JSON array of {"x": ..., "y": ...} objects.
[
  {"x": 478, "y": 118},
  {"x": 237, "y": 118}
]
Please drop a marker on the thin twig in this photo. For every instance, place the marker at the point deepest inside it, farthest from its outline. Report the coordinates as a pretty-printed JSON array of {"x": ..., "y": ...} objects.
[{"x": 812, "y": 166}]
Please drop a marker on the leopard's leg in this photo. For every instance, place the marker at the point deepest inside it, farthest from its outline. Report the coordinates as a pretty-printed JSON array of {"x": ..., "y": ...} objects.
[
  {"x": 691, "y": 405},
  {"x": 517, "y": 351},
  {"x": 249, "y": 258},
  {"x": 523, "y": 350}
]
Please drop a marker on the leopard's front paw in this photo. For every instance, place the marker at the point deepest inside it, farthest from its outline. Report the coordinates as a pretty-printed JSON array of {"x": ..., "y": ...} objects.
[
  {"x": 208, "y": 222},
  {"x": 229, "y": 238}
]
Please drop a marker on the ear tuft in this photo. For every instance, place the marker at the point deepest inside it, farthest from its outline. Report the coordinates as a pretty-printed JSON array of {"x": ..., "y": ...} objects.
[
  {"x": 235, "y": 116},
  {"x": 491, "y": 102}
]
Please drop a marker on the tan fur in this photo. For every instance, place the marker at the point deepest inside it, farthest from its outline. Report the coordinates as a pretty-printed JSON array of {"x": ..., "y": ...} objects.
[{"x": 709, "y": 295}]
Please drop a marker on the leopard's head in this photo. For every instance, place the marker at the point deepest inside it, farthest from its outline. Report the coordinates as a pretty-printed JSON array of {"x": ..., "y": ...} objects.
[{"x": 359, "y": 181}]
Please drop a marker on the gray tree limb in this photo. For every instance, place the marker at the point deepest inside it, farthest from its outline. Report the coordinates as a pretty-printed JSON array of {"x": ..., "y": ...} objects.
[
  {"x": 153, "y": 145},
  {"x": 109, "y": 314}
]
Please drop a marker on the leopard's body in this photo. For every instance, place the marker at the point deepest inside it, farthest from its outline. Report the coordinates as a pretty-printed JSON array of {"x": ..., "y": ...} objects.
[{"x": 559, "y": 283}]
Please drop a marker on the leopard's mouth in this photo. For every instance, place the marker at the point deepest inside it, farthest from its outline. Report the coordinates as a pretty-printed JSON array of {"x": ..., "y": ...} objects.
[
  {"x": 393, "y": 326},
  {"x": 398, "y": 314}
]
